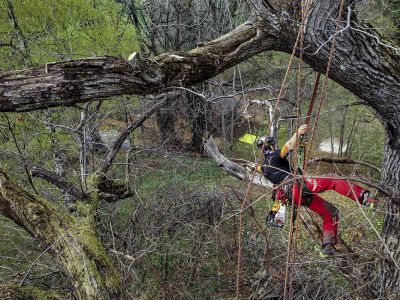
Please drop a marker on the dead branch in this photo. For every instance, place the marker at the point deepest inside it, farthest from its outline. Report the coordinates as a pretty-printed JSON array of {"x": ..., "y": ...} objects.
[
  {"x": 232, "y": 168},
  {"x": 59, "y": 182},
  {"x": 125, "y": 133},
  {"x": 346, "y": 161}
]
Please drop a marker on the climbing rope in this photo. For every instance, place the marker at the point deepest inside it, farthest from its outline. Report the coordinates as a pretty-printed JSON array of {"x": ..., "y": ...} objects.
[
  {"x": 288, "y": 292},
  {"x": 290, "y": 256},
  {"x": 291, "y": 250},
  {"x": 239, "y": 252}
]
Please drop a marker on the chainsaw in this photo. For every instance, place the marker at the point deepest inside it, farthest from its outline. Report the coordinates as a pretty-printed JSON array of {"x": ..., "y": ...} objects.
[{"x": 277, "y": 215}]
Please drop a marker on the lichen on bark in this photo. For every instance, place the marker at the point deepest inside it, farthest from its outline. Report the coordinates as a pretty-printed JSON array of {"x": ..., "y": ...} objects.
[{"x": 72, "y": 241}]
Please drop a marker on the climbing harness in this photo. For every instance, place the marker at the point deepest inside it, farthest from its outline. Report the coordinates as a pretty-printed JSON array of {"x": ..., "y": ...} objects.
[
  {"x": 282, "y": 197},
  {"x": 306, "y": 194}
]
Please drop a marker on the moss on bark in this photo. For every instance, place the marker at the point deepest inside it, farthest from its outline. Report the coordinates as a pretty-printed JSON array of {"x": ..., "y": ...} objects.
[
  {"x": 16, "y": 292},
  {"x": 72, "y": 241}
]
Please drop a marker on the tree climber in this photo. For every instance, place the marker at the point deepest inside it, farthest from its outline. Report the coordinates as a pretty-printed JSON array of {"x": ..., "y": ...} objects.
[{"x": 276, "y": 168}]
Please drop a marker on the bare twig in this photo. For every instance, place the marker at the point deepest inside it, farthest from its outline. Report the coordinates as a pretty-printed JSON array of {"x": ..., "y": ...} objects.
[
  {"x": 348, "y": 23},
  {"x": 12, "y": 131},
  {"x": 124, "y": 134}
]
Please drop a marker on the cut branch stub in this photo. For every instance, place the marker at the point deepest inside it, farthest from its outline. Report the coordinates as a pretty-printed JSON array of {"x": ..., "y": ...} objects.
[{"x": 232, "y": 168}]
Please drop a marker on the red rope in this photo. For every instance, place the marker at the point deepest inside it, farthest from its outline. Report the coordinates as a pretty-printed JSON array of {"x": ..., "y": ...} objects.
[
  {"x": 314, "y": 94},
  {"x": 291, "y": 252}
]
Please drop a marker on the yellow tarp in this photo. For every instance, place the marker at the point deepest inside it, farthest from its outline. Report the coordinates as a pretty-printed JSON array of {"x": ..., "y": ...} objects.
[{"x": 248, "y": 138}]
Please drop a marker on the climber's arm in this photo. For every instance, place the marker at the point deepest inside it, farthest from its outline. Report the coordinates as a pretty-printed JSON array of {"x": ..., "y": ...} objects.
[{"x": 291, "y": 143}]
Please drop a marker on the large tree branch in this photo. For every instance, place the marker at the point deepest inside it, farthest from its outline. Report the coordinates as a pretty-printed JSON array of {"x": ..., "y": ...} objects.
[
  {"x": 36, "y": 215},
  {"x": 233, "y": 168},
  {"x": 108, "y": 190},
  {"x": 67, "y": 83},
  {"x": 361, "y": 62},
  {"x": 72, "y": 241}
]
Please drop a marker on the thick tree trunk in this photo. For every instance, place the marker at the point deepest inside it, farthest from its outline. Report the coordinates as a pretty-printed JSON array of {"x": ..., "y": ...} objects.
[
  {"x": 197, "y": 112},
  {"x": 388, "y": 283},
  {"x": 361, "y": 62},
  {"x": 72, "y": 241},
  {"x": 166, "y": 121}
]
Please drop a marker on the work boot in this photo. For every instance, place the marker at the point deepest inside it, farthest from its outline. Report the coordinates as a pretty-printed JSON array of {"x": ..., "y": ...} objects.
[
  {"x": 366, "y": 200},
  {"x": 327, "y": 250}
]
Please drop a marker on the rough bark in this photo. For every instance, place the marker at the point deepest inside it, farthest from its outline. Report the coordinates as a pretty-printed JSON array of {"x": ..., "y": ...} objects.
[
  {"x": 16, "y": 292},
  {"x": 197, "y": 112},
  {"x": 70, "y": 82},
  {"x": 72, "y": 241},
  {"x": 361, "y": 62},
  {"x": 388, "y": 283}
]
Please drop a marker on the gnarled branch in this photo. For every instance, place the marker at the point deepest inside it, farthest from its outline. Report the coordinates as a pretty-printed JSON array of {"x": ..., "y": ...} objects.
[
  {"x": 70, "y": 82},
  {"x": 59, "y": 182}
]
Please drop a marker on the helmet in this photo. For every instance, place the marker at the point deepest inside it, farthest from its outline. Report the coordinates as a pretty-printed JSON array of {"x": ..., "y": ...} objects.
[
  {"x": 269, "y": 142},
  {"x": 260, "y": 141}
]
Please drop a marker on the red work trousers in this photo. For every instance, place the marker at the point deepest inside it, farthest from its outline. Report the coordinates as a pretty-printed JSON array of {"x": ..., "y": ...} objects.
[{"x": 328, "y": 212}]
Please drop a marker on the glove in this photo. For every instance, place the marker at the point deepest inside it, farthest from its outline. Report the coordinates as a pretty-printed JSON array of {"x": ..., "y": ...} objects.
[{"x": 303, "y": 129}]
